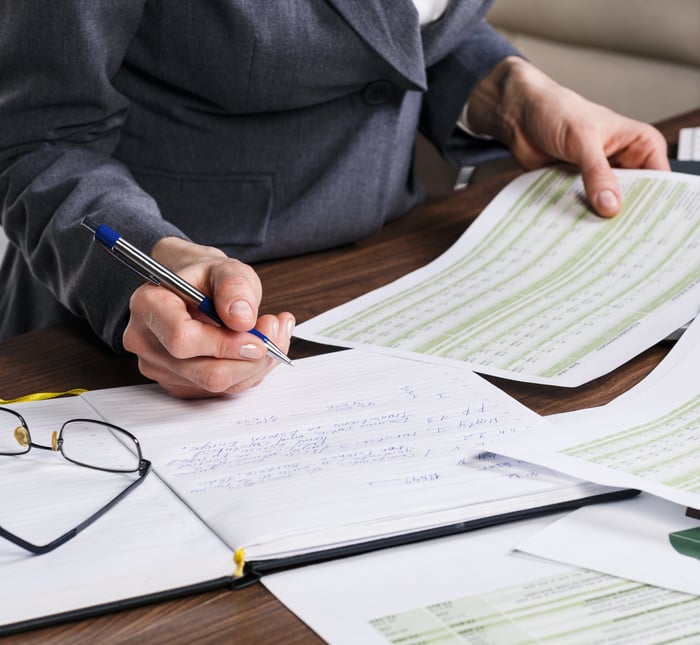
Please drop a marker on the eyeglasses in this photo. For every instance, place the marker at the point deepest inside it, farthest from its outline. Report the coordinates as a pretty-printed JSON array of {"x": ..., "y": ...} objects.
[{"x": 84, "y": 442}]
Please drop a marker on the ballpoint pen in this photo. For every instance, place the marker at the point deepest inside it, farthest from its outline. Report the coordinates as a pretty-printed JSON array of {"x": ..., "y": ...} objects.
[{"x": 156, "y": 273}]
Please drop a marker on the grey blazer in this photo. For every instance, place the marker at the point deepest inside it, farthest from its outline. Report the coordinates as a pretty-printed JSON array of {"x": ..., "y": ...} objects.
[{"x": 264, "y": 128}]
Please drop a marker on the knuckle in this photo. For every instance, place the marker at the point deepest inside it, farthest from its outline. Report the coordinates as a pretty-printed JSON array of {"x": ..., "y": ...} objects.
[
  {"x": 133, "y": 339},
  {"x": 235, "y": 282},
  {"x": 238, "y": 275},
  {"x": 215, "y": 378},
  {"x": 238, "y": 388},
  {"x": 147, "y": 370},
  {"x": 177, "y": 343},
  {"x": 129, "y": 340}
]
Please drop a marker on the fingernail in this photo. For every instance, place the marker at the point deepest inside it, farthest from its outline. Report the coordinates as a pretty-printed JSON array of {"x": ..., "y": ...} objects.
[
  {"x": 250, "y": 351},
  {"x": 607, "y": 200},
  {"x": 290, "y": 328},
  {"x": 241, "y": 309}
]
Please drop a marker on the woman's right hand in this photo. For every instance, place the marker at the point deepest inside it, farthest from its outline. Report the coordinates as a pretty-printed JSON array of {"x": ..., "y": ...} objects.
[{"x": 182, "y": 349}]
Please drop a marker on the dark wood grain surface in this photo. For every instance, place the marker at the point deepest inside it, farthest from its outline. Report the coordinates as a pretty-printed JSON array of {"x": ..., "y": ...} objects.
[{"x": 67, "y": 357}]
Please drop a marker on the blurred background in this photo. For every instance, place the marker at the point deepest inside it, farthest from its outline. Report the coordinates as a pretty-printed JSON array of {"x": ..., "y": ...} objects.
[{"x": 638, "y": 57}]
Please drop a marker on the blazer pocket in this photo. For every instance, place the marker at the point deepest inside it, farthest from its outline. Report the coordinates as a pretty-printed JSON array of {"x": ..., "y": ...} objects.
[{"x": 215, "y": 209}]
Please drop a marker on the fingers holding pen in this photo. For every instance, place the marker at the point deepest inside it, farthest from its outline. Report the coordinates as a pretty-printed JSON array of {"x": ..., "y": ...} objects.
[
  {"x": 194, "y": 358},
  {"x": 179, "y": 339},
  {"x": 178, "y": 328},
  {"x": 190, "y": 355},
  {"x": 236, "y": 291},
  {"x": 232, "y": 285}
]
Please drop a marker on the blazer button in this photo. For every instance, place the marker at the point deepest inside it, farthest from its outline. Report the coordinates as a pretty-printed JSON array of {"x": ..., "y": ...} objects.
[{"x": 378, "y": 92}]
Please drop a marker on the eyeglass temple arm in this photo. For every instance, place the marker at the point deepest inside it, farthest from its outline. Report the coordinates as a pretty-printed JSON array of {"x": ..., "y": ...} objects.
[{"x": 38, "y": 549}]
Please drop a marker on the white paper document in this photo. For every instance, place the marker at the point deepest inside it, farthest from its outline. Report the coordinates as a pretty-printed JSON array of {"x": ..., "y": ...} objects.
[
  {"x": 473, "y": 588},
  {"x": 628, "y": 539},
  {"x": 344, "y": 448},
  {"x": 686, "y": 348},
  {"x": 539, "y": 288},
  {"x": 648, "y": 439}
]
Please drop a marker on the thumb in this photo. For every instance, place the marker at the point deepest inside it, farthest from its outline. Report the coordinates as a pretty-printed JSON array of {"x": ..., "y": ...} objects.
[
  {"x": 601, "y": 185},
  {"x": 237, "y": 292}
]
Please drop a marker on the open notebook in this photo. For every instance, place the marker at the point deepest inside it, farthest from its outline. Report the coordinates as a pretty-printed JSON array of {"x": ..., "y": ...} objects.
[{"x": 347, "y": 452}]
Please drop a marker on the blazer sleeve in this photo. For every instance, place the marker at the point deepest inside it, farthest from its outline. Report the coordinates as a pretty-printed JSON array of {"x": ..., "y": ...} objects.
[
  {"x": 450, "y": 82},
  {"x": 61, "y": 117}
]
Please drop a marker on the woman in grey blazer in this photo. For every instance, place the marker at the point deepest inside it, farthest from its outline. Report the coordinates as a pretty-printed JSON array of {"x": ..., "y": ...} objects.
[{"x": 208, "y": 130}]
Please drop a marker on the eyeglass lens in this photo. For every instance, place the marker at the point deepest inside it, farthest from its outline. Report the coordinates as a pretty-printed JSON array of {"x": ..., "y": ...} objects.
[
  {"x": 84, "y": 442},
  {"x": 93, "y": 444}
]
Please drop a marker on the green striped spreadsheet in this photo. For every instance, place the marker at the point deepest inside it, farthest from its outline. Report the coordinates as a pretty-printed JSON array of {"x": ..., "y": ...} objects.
[
  {"x": 540, "y": 288},
  {"x": 664, "y": 449},
  {"x": 576, "y": 607}
]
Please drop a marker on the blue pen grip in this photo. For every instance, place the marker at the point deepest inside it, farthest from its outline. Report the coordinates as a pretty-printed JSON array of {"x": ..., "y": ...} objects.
[
  {"x": 259, "y": 334},
  {"x": 207, "y": 307},
  {"x": 106, "y": 235}
]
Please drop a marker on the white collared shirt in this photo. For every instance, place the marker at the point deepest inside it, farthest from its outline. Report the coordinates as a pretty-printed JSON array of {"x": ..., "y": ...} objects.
[{"x": 429, "y": 10}]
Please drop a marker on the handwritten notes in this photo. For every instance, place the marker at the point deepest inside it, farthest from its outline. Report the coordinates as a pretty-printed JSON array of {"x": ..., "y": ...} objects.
[
  {"x": 539, "y": 288},
  {"x": 344, "y": 448}
]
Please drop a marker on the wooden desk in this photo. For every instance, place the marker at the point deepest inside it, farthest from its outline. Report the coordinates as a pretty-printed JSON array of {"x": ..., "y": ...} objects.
[{"x": 64, "y": 358}]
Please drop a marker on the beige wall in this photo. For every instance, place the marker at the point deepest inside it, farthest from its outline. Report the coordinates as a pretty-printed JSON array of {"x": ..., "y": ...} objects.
[{"x": 639, "y": 57}]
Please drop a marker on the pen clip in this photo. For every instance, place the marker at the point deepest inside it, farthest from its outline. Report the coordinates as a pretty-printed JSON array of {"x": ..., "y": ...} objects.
[
  {"x": 132, "y": 265},
  {"x": 106, "y": 239}
]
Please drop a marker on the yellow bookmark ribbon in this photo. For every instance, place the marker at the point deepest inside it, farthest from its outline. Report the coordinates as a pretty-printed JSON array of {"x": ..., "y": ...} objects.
[
  {"x": 239, "y": 561},
  {"x": 41, "y": 396}
]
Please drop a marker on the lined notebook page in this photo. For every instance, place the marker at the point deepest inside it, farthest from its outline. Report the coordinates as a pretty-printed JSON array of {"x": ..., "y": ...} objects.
[
  {"x": 343, "y": 448},
  {"x": 148, "y": 542}
]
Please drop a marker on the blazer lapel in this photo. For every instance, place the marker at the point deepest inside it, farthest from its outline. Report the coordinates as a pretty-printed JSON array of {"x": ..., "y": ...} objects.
[{"x": 391, "y": 29}]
